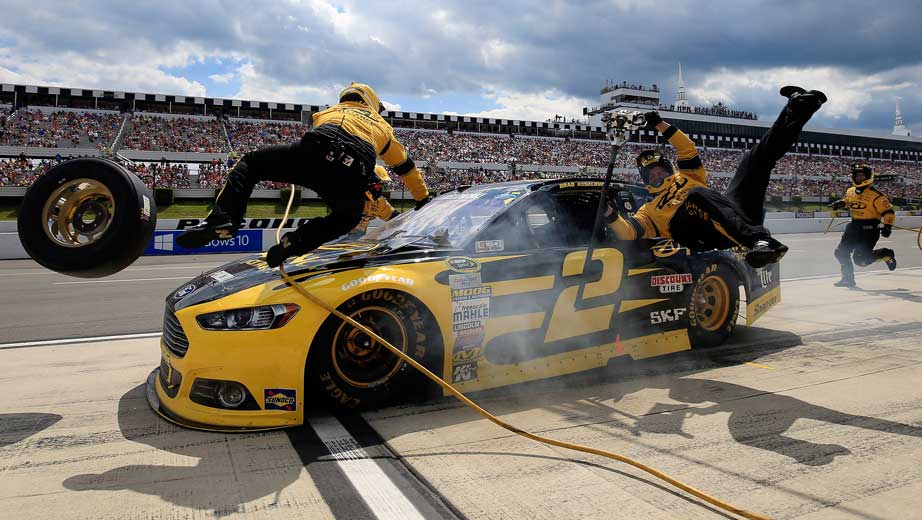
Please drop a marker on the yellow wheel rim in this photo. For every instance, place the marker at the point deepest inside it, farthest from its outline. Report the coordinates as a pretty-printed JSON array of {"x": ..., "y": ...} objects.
[
  {"x": 712, "y": 303},
  {"x": 78, "y": 213},
  {"x": 359, "y": 359}
]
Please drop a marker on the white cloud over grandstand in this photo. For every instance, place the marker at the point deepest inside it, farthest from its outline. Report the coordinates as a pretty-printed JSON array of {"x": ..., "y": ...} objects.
[{"x": 531, "y": 106}]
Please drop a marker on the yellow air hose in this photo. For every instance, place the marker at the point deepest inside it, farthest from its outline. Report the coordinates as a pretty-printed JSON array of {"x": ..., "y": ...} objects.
[{"x": 495, "y": 420}]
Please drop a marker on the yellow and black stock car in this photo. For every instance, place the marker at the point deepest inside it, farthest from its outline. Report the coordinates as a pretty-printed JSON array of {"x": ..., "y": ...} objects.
[{"x": 480, "y": 285}]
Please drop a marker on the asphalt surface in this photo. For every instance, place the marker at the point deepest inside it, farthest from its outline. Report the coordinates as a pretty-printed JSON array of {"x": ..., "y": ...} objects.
[
  {"x": 44, "y": 305},
  {"x": 812, "y": 414}
]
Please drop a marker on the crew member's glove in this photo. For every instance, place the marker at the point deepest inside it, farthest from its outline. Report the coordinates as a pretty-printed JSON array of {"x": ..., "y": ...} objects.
[
  {"x": 287, "y": 247},
  {"x": 421, "y": 203},
  {"x": 623, "y": 205},
  {"x": 839, "y": 204},
  {"x": 653, "y": 118},
  {"x": 886, "y": 230}
]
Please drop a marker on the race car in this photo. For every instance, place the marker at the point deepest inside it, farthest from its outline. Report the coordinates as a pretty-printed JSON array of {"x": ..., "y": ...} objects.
[{"x": 484, "y": 286}]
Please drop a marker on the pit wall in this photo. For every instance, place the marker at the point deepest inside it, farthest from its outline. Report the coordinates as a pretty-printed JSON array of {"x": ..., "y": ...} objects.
[{"x": 258, "y": 234}]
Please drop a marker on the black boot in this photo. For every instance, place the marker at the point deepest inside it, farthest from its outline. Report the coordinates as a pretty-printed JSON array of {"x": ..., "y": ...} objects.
[
  {"x": 214, "y": 227},
  {"x": 808, "y": 100},
  {"x": 889, "y": 259},
  {"x": 765, "y": 251}
]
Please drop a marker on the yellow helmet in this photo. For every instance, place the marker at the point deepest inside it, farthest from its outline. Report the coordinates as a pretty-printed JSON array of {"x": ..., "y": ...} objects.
[
  {"x": 363, "y": 93},
  {"x": 381, "y": 174},
  {"x": 863, "y": 169}
]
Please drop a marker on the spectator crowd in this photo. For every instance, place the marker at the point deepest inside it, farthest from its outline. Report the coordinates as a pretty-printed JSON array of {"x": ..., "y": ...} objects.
[
  {"x": 62, "y": 129},
  {"x": 486, "y": 157},
  {"x": 175, "y": 134}
]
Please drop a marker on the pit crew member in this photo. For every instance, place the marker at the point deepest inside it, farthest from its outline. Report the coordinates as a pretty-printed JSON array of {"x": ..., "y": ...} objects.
[
  {"x": 685, "y": 209},
  {"x": 335, "y": 159}
]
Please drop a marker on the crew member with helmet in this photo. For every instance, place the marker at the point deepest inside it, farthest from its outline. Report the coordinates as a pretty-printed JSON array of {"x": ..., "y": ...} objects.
[
  {"x": 685, "y": 209},
  {"x": 336, "y": 159},
  {"x": 872, "y": 218}
]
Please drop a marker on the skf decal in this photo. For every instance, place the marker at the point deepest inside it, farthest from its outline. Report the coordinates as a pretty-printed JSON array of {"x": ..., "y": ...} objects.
[
  {"x": 377, "y": 278},
  {"x": 280, "y": 399},
  {"x": 665, "y": 316},
  {"x": 463, "y": 264}
]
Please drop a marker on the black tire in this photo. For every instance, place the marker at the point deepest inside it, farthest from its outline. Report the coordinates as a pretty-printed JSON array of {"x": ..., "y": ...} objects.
[
  {"x": 123, "y": 231},
  {"x": 367, "y": 375},
  {"x": 713, "y": 306}
]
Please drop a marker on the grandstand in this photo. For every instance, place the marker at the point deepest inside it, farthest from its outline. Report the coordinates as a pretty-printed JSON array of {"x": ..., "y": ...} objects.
[{"x": 189, "y": 143}]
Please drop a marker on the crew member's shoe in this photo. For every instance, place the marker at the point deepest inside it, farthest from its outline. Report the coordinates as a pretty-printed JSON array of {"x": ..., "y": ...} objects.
[
  {"x": 808, "y": 99},
  {"x": 845, "y": 282},
  {"x": 766, "y": 251},
  {"x": 890, "y": 260},
  {"x": 202, "y": 234}
]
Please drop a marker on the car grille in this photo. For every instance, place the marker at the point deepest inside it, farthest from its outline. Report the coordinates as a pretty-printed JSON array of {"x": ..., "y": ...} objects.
[{"x": 173, "y": 336}]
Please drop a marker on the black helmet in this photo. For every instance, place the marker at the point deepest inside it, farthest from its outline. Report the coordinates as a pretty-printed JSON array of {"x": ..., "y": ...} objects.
[
  {"x": 647, "y": 159},
  {"x": 868, "y": 175}
]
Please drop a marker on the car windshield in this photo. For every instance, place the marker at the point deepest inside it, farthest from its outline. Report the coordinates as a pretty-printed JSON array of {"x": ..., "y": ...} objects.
[{"x": 450, "y": 219}]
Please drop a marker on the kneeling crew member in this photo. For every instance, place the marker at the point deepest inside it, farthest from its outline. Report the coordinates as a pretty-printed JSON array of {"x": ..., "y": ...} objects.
[
  {"x": 699, "y": 218},
  {"x": 872, "y": 217},
  {"x": 336, "y": 159}
]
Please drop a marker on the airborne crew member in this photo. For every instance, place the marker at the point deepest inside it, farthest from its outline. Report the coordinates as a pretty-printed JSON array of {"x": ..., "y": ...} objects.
[
  {"x": 336, "y": 160},
  {"x": 699, "y": 218},
  {"x": 872, "y": 217}
]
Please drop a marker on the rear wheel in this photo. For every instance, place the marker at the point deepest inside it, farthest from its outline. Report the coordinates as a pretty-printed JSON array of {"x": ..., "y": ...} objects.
[
  {"x": 713, "y": 307},
  {"x": 353, "y": 370},
  {"x": 87, "y": 218}
]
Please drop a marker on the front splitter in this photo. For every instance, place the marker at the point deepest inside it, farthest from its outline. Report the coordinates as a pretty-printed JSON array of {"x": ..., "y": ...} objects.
[{"x": 160, "y": 408}]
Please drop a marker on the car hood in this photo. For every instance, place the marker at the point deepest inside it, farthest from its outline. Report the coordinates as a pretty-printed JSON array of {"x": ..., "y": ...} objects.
[{"x": 252, "y": 270}]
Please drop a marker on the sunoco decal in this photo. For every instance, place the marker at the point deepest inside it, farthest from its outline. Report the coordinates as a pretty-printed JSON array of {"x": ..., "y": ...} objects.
[
  {"x": 463, "y": 264},
  {"x": 280, "y": 399}
]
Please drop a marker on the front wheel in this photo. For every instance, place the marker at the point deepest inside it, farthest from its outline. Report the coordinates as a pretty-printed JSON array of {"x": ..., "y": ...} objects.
[
  {"x": 713, "y": 307},
  {"x": 352, "y": 370}
]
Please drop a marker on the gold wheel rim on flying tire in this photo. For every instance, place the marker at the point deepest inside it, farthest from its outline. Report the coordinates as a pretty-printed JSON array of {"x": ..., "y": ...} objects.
[
  {"x": 67, "y": 211},
  {"x": 712, "y": 303},
  {"x": 359, "y": 350}
]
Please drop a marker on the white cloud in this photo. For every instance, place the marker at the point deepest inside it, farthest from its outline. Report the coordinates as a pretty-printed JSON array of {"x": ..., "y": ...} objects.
[
  {"x": 848, "y": 92},
  {"x": 222, "y": 78},
  {"x": 532, "y": 106},
  {"x": 391, "y": 106},
  {"x": 257, "y": 86}
]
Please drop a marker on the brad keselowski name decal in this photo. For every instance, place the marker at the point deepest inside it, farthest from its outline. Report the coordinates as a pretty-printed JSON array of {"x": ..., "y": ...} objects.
[{"x": 249, "y": 223}]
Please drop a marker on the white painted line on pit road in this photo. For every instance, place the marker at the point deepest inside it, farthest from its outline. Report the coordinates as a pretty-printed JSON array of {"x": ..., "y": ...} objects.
[
  {"x": 864, "y": 273},
  {"x": 122, "y": 281},
  {"x": 380, "y": 494},
  {"x": 68, "y": 341}
]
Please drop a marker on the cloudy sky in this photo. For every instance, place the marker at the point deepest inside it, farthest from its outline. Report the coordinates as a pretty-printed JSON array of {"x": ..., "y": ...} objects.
[{"x": 510, "y": 59}]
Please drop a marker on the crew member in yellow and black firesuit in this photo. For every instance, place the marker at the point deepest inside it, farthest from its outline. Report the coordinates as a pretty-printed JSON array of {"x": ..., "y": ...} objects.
[
  {"x": 336, "y": 159},
  {"x": 872, "y": 218},
  {"x": 685, "y": 209}
]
